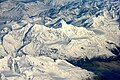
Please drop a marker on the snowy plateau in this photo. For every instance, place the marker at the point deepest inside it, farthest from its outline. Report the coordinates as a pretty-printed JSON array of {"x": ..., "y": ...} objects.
[{"x": 59, "y": 39}]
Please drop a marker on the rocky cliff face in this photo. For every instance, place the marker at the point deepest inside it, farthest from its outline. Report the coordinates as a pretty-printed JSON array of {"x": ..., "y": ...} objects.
[{"x": 38, "y": 37}]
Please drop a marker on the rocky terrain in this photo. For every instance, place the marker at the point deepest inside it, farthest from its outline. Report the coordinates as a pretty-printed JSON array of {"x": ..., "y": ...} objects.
[{"x": 59, "y": 40}]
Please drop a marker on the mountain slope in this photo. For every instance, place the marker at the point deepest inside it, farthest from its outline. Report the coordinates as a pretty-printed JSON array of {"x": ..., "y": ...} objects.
[{"x": 41, "y": 39}]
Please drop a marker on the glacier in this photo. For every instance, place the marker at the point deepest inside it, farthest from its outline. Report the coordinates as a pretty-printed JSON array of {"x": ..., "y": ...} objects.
[{"x": 51, "y": 39}]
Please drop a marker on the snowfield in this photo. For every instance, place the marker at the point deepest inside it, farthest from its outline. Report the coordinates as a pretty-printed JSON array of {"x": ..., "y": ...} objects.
[{"x": 38, "y": 37}]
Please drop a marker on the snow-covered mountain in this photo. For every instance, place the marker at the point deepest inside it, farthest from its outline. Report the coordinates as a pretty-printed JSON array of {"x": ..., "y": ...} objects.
[
  {"x": 38, "y": 37},
  {"x": 50, "y": 12}
]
